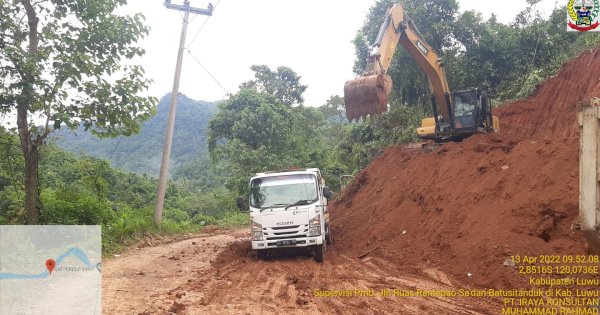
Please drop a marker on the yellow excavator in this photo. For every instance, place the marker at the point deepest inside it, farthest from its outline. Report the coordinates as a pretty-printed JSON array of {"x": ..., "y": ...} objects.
[{"x": 456, "y": 115}]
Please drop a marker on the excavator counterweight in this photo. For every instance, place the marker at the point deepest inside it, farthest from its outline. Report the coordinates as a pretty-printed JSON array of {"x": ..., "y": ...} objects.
[{"x": 367, "y": 95}]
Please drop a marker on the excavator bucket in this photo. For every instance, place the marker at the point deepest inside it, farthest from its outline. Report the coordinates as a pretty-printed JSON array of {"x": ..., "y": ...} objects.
[{"x": 367, "y": 95}]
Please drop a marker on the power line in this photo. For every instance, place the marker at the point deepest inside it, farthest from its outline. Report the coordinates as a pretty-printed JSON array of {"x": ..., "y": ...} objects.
[
  {"x": 115, "y": 150},
  {"x": 202, "y": 26},
  {"x": 195, "y": 58},
  {"x": 210, "y": 74}
]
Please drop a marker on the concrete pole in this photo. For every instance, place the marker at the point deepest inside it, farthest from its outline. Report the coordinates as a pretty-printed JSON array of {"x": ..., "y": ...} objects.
[
  {"x": 164, "y": 166},
  {"x": 589, "y": 172}
]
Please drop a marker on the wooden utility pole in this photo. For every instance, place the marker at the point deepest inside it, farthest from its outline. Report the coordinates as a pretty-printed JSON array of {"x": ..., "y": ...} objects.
[{"x": 164, "y": 166}]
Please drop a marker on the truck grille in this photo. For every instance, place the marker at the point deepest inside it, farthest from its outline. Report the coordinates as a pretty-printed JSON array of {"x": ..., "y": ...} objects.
[
  {"x": 285, "y": 232},
  {"x": 285, "y": 227}
]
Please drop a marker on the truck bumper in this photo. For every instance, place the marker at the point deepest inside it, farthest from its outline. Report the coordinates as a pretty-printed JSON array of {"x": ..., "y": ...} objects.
[{"x": 299, "y": 242}]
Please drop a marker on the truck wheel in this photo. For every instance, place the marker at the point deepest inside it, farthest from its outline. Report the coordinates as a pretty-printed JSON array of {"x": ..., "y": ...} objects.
[
  {"x": 261, "y": 254},
  {"x": 320, "y": 253}
]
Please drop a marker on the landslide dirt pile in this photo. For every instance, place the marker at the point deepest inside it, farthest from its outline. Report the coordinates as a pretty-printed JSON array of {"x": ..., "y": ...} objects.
[
  {"x": 550, "y": 111},
  {"x": 467, "y": 207}
]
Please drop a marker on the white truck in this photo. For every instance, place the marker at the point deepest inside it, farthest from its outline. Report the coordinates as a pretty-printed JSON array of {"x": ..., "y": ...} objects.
[{"x": 288, "y": 209}]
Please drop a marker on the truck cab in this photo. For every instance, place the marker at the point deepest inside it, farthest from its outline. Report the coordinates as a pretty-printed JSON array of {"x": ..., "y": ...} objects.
[{"x": 288, "y": 209}]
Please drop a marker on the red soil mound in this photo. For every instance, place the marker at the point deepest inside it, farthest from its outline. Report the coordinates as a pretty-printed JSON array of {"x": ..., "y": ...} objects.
[
  {"x": 467, "y": 207},
  {"x": 551, "y": 111}
]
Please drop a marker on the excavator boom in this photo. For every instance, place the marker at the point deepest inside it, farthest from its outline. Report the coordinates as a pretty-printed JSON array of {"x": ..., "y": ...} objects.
[
  {"x": 368, "y": 94},
  {"x": 365, "y": 95}
]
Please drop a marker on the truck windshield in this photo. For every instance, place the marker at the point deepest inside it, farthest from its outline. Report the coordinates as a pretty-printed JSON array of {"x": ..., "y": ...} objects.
[{"x": 282, "y": 190}]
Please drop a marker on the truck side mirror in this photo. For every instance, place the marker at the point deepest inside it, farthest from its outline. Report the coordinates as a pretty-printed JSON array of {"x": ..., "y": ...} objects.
[
  {"x": 241, "y": 204},
  {"x": 326, "y": 192}
]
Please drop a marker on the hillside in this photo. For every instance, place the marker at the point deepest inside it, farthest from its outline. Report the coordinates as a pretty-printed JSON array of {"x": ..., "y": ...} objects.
[
  {"x": 141, "y": 153},
  {"x": 467, "y": 207}
]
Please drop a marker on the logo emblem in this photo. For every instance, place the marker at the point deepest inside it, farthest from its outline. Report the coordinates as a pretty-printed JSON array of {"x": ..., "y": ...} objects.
[
  {"x": 582, "y": 15},
  {"x": 422, "y": 48}
]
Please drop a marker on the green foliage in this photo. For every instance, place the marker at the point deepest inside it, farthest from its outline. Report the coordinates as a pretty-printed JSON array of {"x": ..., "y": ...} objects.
[
  {"x": 60, "y": 74},
  {"x": 360, "y": 143},
  {"x": 62, "y": 61},
  {"x": 361, "y": 49},
  {"x": 256, "y": 132},
  {"x": 11, "y": 175},
  {"x": 142, "y": 153},
  {"x": 127, "y": 228},
  {"x": 86, "y": 190},
  {"x": 255, "y": 119},
  {"x": 176, "y": 215},
  {"x": 550, "y": 46},
  {"x": 334, "y": 111},
  {"x": 476, "y": 53},
  {"x": 132, "y": 225},
  {"x": 203, "y": 220},
  {"x": 11, "y": 205},
  {"x": 197, "y": 174},
  {"x": 234, "y": 219},
  {"x": 283, "y": 84},
  {"x": 68, "y": 206}
]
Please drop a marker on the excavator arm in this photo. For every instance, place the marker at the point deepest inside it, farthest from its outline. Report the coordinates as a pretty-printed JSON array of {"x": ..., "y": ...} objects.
[
  {"x": 456, "y": 115},
  {"x": 368, "y": 94}
]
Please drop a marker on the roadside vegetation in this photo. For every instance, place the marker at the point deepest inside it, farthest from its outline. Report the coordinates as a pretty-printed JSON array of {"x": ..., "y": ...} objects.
[
  {"x": 266, "y": 125},
  {"x": 78, "y": 189}
]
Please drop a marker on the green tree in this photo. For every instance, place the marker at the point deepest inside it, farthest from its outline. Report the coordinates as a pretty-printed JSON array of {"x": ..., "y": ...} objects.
[
  {"x": 257, "y": 129},
  {"x": 334, "y": 110},
  {"x": 476, "y": 52},
  {"x": 255, "y": 132},
  {"x": 11, "y": 174},
  {"x": 284, "y": 84},
  {"x": 250, "y": 133},
  {"x": 61, "y": 60}
]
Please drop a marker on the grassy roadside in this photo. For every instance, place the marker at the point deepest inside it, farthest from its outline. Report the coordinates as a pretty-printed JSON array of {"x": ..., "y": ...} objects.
[{"x": 134, "y": 227}]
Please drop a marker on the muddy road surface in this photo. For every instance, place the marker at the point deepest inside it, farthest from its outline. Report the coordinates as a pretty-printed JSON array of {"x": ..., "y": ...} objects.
[{"x": 217, "y": 274}]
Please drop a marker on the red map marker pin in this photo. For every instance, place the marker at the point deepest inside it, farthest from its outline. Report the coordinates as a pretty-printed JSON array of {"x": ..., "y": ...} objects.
[{"x": 50, "y": 264}]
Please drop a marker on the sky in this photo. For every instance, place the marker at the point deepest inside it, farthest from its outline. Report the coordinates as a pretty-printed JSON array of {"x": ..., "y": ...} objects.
[{"x": 311, "y": 37}]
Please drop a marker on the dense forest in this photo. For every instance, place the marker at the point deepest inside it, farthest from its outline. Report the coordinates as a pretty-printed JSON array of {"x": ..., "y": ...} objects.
[
  {"x": 266, "y": 125},
  {"x": 79, "y": 189},
  {"x": 141, "y": 153}
]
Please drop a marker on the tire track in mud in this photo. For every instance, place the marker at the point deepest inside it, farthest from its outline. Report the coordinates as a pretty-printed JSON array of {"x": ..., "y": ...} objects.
[
  {"x": 144, "y": 280},
  {"x": 235, "y": 282},
  {"x": 275, "y": 289}
]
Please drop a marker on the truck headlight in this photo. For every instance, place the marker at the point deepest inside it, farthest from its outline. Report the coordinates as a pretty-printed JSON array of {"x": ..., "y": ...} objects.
[
  {"x": 257, "y": 234},
  {"x": 314, "y": 226}
]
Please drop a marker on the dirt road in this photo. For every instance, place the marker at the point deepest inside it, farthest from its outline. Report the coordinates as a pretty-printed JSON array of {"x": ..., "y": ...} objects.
[{"x": 217, "y": 273}]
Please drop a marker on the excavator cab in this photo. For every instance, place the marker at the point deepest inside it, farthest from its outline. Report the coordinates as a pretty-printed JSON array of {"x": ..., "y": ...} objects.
[
  {"x": 470, "y": 113},
  {"x": 466, "y": 110}
]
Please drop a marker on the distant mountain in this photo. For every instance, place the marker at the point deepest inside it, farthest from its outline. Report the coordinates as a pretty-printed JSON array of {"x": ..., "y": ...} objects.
[{"x": 142, "y": 153}]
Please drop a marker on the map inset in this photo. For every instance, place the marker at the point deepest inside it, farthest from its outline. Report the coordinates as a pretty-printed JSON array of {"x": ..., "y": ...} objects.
[{"x": 50, "y": 269}]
